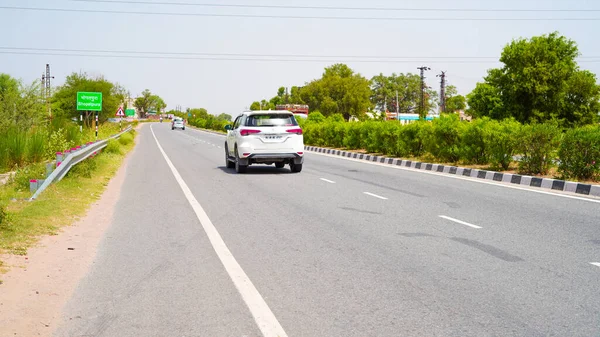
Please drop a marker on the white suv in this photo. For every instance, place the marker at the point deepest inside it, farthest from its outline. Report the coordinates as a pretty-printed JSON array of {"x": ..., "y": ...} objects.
[{"x": 264, "y": 137}]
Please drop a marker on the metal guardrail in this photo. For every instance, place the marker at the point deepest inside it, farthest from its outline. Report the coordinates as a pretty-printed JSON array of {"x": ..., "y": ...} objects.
[{"x": 73, "y": 159}]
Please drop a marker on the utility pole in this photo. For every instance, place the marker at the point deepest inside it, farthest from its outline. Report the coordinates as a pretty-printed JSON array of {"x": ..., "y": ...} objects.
[
  {"x": 46, "y": 89},
  {"x": 422, "y": 113},
  {"x": 442, "y": 91},
  {"x": 397, "y": 106}
]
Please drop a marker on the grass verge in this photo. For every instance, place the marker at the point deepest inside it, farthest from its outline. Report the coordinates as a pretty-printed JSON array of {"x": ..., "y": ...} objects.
[{"x": 60, "y": 205}]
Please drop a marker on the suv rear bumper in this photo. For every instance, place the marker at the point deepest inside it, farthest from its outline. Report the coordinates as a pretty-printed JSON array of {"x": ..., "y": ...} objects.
[{"x": 272, "y": 158}]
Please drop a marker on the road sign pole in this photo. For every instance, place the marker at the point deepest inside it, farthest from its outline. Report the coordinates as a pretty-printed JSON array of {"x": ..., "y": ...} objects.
[
  {"x": 121, "y": 124},
  {"x": 80, "y": 121},
  {"x": 96, "y": 125}
]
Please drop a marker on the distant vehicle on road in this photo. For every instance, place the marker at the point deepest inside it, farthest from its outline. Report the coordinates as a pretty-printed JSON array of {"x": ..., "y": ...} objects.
[
  {"x": 264, "y": 137},
  {"x": 296, "y": 109},
  {"x": 177, "y": 123}
]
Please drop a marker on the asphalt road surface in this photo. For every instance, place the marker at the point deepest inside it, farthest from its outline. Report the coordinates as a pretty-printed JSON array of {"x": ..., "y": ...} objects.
[{"x": 341, "y": 249}]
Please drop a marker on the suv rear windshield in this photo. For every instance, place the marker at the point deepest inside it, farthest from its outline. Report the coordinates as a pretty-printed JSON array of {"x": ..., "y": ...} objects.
[{"x": 271, "y": 120}]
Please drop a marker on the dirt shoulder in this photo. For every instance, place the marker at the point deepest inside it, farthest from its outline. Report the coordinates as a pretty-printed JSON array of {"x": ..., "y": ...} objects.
[{"x": 38, "y": 285}]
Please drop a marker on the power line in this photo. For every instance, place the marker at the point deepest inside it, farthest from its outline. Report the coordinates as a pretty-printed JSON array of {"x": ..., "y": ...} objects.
[
  {"x": 255, "y": 59},
  {"x": 231, "y": 59},
  {"x": 336, "y": 8},
  {"x": 379, "y": 57},
  {"x": 97, "y": 11}
]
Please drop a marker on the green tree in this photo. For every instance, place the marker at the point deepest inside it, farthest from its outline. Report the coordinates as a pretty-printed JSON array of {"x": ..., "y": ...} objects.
[
  {"x": 224, "y": 117},
  {"x": 339, "y": 90},
  {"x": 65, "y": 97},
  {"x": 454, "y": 101},
  {"x": 21, "y": 106},
  {"x": 295, "y": 96},
  {"x": 255, "y": 106},
  {"x": 149, "y": 102},
  {"x": 540, "y": 81},
  {"x": 408, "y": 87},
  {"x": 199, "y": 113},
  {"x": 159, "y": 104}
]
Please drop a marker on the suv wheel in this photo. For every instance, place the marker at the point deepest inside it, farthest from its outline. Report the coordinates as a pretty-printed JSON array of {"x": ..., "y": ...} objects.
[
  {"x": 296, "y": 168},
  {"x": 239, "y": 168},
  {"x": 228, "y": 163},
  {"x": 280, "y": 165}
]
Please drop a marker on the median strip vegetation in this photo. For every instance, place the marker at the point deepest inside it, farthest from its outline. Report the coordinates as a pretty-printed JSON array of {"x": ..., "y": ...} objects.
[{"x": 535, "y": 149}]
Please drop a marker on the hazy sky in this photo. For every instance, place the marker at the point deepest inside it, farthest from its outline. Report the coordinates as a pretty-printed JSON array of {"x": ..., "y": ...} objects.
[{"x": 231, "y": 85}]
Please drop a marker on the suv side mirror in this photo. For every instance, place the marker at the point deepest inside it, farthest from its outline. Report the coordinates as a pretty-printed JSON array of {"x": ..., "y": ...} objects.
[{"x": 228, "y": 127}]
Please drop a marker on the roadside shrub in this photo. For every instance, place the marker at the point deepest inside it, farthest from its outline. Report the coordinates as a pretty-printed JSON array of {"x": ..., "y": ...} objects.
[
  {"x": 315, "y": 117},
  {"x": 366, "y": 128},
  {"x": 444, "y": 143},
  {"x": 23, "y": 175},
  {"x": 113, "y": 147},
  {"x": 84, "y": 169},
  {"x": 3, "y": 216},
  {"x": 412, "y": 138},
  {"x": 352, "y": 139},
  {"x": 472, "y": 147},
  {"x": 126, "y": 138},
  {"x": 389, "y": 137},
  {"x": 501, "y": 142},
  {"x": 36, "y": 145},
  {"x": 537, "y": 145},
  {"x": 339, "y": 133},
  {"x": 335, "y": 118},
  {"x": 579, "y": 153},
  {"x": 16, "y": 148},
  {"x": 73, "y": 135},
  {"x": 318, "y": 133},
  {"x": 57, "y": 143}
]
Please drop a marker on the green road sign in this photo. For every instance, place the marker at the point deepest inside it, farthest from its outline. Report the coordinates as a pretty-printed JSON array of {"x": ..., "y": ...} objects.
[
  {"x": 130, "y": 112},
  {"x": 91, "y": 101}
]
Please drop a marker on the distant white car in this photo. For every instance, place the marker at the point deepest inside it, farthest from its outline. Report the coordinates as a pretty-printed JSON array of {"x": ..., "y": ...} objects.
[
  {"x": 264, "y": 137},
  {"x": 177, "y": 124}
]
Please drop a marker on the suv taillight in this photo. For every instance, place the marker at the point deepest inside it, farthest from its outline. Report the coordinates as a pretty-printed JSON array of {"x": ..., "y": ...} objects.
[
  {"x": 297, "y": 131},
  {"x": 246, "y": 132}
]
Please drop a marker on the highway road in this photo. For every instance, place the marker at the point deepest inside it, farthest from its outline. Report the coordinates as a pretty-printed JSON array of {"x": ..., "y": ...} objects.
[{"x": 343, "y": 248}]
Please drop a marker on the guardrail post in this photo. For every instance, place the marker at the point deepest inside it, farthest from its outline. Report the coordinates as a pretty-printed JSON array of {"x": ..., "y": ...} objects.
[
  {"x": 49, "y": 169},
  {"x": 59, "y": 156},
  {"x": 33, "y": 185}
]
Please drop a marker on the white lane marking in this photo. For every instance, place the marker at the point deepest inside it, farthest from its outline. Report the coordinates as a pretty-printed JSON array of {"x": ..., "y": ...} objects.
[
  {"x": 597, "y": 264},
  {"x": 460, "y": 222},
  {"x": 327, "y": 180},
  {"x": 263, "y": 316},
  {"x": 446, "y": 175},
  {"x": 375, "y": 195}
]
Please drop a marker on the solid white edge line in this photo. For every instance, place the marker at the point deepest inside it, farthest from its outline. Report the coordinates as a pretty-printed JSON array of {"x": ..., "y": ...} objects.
[
  {"x": 263, "y": 316},
  {"x": 327, "y": 180},
  {"x": 446, "y": 175},
  {"x": 597, "y": 264},
  {"x": 460, "y": 222},
  {"x": 375, "y": 195}
]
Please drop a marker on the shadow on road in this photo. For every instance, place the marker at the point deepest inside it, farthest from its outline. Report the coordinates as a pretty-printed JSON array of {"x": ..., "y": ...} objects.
[{"x": 258, "y": 169}]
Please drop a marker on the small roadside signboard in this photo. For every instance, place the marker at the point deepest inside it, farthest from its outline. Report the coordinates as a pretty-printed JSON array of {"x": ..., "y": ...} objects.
[
  {"x": 120, "y": 112},
  {"x": 89, "y": 101}
]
